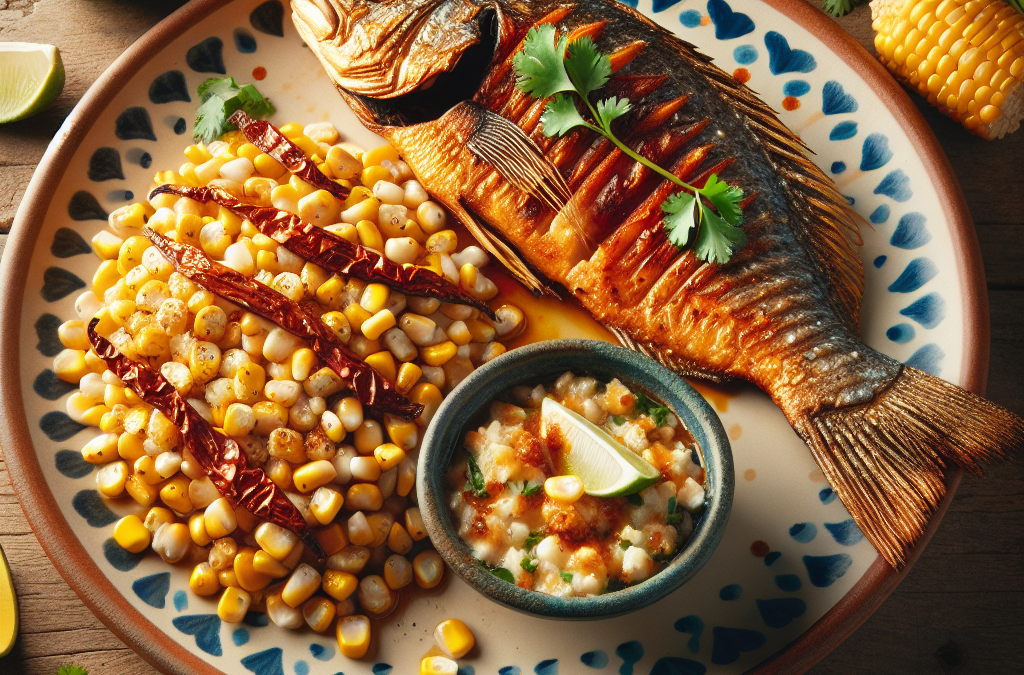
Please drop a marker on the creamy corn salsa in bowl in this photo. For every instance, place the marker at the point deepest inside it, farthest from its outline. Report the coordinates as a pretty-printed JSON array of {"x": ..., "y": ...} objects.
[{"x": 575, "y": 479}]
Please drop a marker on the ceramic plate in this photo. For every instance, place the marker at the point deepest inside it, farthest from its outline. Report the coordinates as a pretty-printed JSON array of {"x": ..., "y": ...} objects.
[{"x": 784, "y": 571}]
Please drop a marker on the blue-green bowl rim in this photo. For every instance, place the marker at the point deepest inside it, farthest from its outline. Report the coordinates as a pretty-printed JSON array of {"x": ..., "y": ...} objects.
[{"x": 591, "y": 357}]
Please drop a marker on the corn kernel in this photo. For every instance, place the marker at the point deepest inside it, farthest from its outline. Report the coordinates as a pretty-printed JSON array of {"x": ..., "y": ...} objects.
[
  {"x": 248, "y": 578},
  {"x": 406, "y": 478},
  {"x": 276, "y": 540},
  {"x": 564, "y": 489},
  {"x": 377, "y": 155},
  {"x": 364, "y": 496},
  {"x": 131, "y": 535},
  {"x": 326, "y": 503},
  {"x": 220, "y": 518},
  {"x": 233, "y": 605},
  {"x": 226, "y": 578},
  {"x": 239, "y": 420},
  {"x": 375, "y": 597},
  {"x": 402, "y": 433},
  {"x": 368, "y": 435},
  {"x": 303, "y": 582},
  {"x": 319, "y": 613},
  {"x": 264, "y": 563},
  {"x": 101, "y": 449},
  {"x": 141, "y": 491},
  {"x": 172, "y": 542},
  {"x": 197, "y": 528},
  {"x": 331, "y": 538},
  {"x": 397, "y": 572},
  {"x": 438, "y": 665},
  {"x": 388, "y": 455},
  {"x": 353, "y": 634},
  {"x": 454, "y": 638},
  {"x": 174, "y": 494},
  {"x": 338, "y": 584},
  {"x": 438, "y": 355},
  {"x": 203, "y": 580},
  {"x": 302, "y": 363},
  {"x": 110, "y": 479},
  {"x": 369, "y": 235},
  {"x": 314, "y": 474},
  {"x": 430, "y": 397},
  {"x": 414, "y": 524}
]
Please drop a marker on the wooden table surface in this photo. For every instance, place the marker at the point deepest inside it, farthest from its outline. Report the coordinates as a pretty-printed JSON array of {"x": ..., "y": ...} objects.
[{"x": 961, "y": 608}]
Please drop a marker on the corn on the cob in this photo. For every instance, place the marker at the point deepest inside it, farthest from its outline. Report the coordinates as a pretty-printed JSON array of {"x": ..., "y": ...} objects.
[{"x": 965, "y": 56}]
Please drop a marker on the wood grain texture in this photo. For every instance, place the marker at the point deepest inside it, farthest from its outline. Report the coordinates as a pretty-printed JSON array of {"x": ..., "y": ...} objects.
[{"x": 961, "y": 608}]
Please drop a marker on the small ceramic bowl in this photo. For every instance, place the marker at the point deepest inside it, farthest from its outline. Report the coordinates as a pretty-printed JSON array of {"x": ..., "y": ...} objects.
[{"x": 543, "y": 362}]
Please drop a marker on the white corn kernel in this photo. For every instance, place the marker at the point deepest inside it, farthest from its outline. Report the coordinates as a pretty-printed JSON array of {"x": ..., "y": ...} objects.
[
  {"x": 280, "y": 345},
  {"x": 172, "y": 542},
  {"x": 283, "y": 614},
  {"x": 402, "y": 250},
  {"x": 428, "y": 569},
  {"x": 431, "y": 217},
  {"x": 375, "y": 597},
  {"x": 415, "y": 194},
  {"x": 350, "y": 412},
  {"x": 275, "y": 540},
  {"x": 351, "y": 559},
  {"x": 302, "y": 584},
  {"x": 202, "y": 492},
  {"x": 238, "y": 170},
  {"x": 388, "y": 193},
  {"x": 220, "y": 519}
]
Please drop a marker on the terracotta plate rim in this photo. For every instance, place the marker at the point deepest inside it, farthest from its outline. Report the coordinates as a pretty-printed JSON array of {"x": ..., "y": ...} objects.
[{"x": 129, "y": 624}]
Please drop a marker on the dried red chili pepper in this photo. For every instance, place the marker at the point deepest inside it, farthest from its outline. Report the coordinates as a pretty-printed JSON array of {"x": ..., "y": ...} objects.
[
  {"x": 370, "y": 387},
  {"x": 330, "y": 251},
  {"x": 270, "y": 140},
  {"x": 219, "y": 456}
]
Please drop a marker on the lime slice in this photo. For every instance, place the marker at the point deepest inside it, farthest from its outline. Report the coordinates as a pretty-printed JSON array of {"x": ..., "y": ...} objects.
[
  {"x": 31, "y": 78},
  {"x": 606, "y": 467}
]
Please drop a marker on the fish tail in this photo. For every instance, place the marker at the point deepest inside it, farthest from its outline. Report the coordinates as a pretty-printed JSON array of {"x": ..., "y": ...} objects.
[{"x": 887, "y": 459}]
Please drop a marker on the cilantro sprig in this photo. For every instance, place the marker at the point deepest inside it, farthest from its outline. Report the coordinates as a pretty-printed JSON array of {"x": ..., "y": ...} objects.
[
  {"x": 221, "y": 97},
  {"x": 643, "y": 405},
  {"x": 475, "y": 479},
  {"x": 551, "y": 66}
]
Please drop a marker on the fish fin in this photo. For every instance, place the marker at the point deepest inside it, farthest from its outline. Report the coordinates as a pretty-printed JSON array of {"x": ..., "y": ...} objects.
[
  {"x": 504, "y": 146},
  {"x": 825, "y": 213},
  {"x": 887, "y": 459},
  {"x": 505, "y": 254},
  {"x": 681, "y": 366}
]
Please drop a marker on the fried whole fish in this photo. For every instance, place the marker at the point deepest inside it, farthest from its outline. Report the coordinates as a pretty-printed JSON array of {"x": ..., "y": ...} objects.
[{"x": 436, "y": 79}]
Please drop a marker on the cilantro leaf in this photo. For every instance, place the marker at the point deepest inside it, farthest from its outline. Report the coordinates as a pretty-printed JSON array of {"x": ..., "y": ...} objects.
[
  {"x": 529, "y": 565},
  {"x": 610, "y": 109},
  {"x": 618, "y": 420},
  {"x": 503, "y": 574},
  {"x": 535, "y": 538},
  {"x": 645, "y": 406},
  {"x": 531, "y": 490},
  {"x": 566, "y": 577},
  {"x": 541, "y": 64},
  {"x": 717, "y": 239},
  {"x": 838, "y": 8},
  {"x": 72, "y": 670},
  {"x": 679, "y": 222},
  {"x": 220, "y": 98},
  {"x": 561, "y": 116},
  {"x": 725, "y": 197},
  {"x": 624, "y": 544},
  {"x": 587, "y": 67},
  {"x": 475, "y": 476}
]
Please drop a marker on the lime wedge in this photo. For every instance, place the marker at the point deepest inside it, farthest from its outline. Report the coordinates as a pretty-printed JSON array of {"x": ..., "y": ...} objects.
[
  {"x": 31, "y": 78},
  {"x": 606, "y": 467}
]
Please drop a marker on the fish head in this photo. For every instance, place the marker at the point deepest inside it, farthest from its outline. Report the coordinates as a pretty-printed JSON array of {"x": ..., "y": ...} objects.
[{"x": 399, "y": 62}]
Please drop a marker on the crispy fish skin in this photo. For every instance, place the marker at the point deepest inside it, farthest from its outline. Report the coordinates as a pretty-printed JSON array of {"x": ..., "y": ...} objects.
[{"x": 781, "y": 313}]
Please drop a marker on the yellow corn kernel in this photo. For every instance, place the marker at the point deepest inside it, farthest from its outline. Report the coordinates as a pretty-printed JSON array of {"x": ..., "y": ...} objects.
[
  {"x": 248, "y": 578},
  {"x": 157, "y": 517},
  {"x": 440, "y": 354},
  {"x": 70, "y": 366},
  {"x": 331, "y": 538},
  {"x": 226, "y": 578},
  {"x": 280, "y": 472},
  {"x": 106, "y": 275},
  {"x": 330, "y": 292},
  {"x": 131, "y": 535},
  {"x": 339, "y": 585},
  {"x": 130, "y": 447},
  {"x": 399, "y": 540},
  {"x": 101, "y": 449},
  {"x": 371, "y": 174},
  {"x": 314, "y": 474},
  {"x": 368, "y": 435},
  {"x": 268, "y": 167},
  {"x": 346, "y": 231},
  {"x": 197, "y": 528},
  {"x": 384, "y": 363},
  {"x": 428, "y": 569},
  {"x": 430, "y": 397},
  {"x": 189, "y": 229},
  {"x": 110, "y": 423},
  {"x": 107, "y": 323},
  {"x": 174, "y": 494},
  {"x": 152, "y": 342},
  {"x": 246, "y": 521},
  {"x": 564, "y": 489},
  {"x": 204, "y": 361},
  {"x": 325, "y": 504},
  {"x": 438, "y": 665},
  {"x": 319, "y": 613},
  {"x": 130, "y": 216},
  {"x": 141, "y": 491},
  {"x": 233, "y": 605},
  {"x": 302, "y": 584},
  {"x": 332, "y": 426},
  {"x": 266, "y": 564},
  {"x": 210, "y": 323},
  {"x": 107, "y": 245},
  {"x": 72, "y": 334},
  {"x": 406, "y": 477},
  {"x": 374, "y": 326},
  {"x": 403, "y": 433},
  {"x": 454, "y": 638},
  {"x": 220, "y": 518},
  {"x": 374, "y": 297},
  {"x": 364, "y": 497},
  {"x": 275, "y": 540},
  {"x": 353, "y": 633},
  {"x": 369, "y": 235},
  {"x": 408, "y": 375},
  {"x": 302, "y": 363},
  {"x": 356, "y": 316},
  {"x": 481, "y": 332},
  {"x": 414, "y": 524},
  {"x": 377, "y": 156},
  {"x": 197, "y": 154},
  {"x": 301, "y": 187},
  {"x": 203, "y": 580},
  {"x": 319, "y": 208},
  {"x": 249, "y": 381}
]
